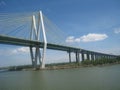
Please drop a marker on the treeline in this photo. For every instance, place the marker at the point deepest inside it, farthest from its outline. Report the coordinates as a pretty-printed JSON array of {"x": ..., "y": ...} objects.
[
  {"x": 66, "y": 65},
  {"x": 101, "y": 61}
]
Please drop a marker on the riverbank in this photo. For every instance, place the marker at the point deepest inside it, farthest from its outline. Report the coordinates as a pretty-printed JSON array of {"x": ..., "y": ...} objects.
[
  {"x": 61, "y": 66},
  {"x": 85, "y": 63},
  {"x": 56, "y": 66},
  {"x": 69, "y": 66}
]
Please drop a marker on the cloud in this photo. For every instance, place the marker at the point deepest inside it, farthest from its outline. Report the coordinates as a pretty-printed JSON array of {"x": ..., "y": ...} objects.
[
  {"x": 70, "y": 39},
  {"x": 116, "y": 30},
  {"x": 8, "y": 51},
  {"x": 91, "y": 37},
  {"x": 21, "y": 50},
  {"x": 16, "y": 51}
]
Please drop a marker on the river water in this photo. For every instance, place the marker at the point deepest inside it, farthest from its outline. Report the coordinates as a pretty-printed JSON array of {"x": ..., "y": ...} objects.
[{"x": 86, "y": 78}]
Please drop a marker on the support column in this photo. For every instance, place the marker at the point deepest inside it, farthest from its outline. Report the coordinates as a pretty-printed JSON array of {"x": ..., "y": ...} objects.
[
  {"x": 92, "y": 56},
  {"x": 96, "y": 57},
  {"x": 35, "y": 35},
  {"x": 44, "y": 41},
  {"x": 101, "y": 56},
  {"x": 82, "y": 55},
  {"x": 108, "y": 57},
  {"x": 35, "y": 56},
  {"x": 88, "y": 56},
  {"x": 77, "y": 57},
  {"x": 69, "y": 57},
  {"x": 32, "y": 57}
]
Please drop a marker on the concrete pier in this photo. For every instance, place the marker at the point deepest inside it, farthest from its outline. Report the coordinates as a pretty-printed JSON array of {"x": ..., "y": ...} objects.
[
  {"x": 92, "y": 56},
  {"x": 88, "y": 56},
  {"x": 82, "y": 56},
  {"x": 77, "y": 57},
  {"x": 69, "y": 57}
]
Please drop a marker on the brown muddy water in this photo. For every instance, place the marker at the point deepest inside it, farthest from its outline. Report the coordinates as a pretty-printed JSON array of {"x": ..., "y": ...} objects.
[{"x": 86, "y": 78}]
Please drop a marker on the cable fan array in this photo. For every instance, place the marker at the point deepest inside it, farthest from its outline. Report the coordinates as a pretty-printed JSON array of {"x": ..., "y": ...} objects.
[{"x": 19, "y": 25}]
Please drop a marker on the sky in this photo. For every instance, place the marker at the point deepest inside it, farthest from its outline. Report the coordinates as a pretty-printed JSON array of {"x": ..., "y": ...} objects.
[{"x": 89, "y": 24}]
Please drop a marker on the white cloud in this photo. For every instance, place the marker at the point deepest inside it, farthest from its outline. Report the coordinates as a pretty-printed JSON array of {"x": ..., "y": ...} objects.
[
  {"x": 20, "y": 50},
  {"x": 70, "y": 39},
  {"x": 116, "y": 30},
  {"x": 91, "y": 37},
  {"x": 77, "y": 40}
]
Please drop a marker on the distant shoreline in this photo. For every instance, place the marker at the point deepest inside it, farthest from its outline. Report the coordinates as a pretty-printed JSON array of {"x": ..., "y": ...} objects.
[
  {"x": 77, "y": 66},
  {"x": 58, "y": 67}
]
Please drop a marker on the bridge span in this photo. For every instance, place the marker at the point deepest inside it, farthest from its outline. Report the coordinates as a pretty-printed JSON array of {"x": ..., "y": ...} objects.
[
  {"x": 34, "y": 42},
  {"x": 91, "y": 55}
]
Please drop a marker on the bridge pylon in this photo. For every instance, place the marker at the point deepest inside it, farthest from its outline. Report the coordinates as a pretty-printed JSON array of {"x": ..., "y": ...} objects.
[{"x": 35, "y": 52}]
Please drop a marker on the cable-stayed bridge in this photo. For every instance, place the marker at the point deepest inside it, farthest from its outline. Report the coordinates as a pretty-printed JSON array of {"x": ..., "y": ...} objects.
[{"x": 34, "y": 30}]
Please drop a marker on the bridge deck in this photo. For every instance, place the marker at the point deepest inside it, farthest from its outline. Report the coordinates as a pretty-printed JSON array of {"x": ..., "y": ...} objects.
[{"x": 24, "y": 42}]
